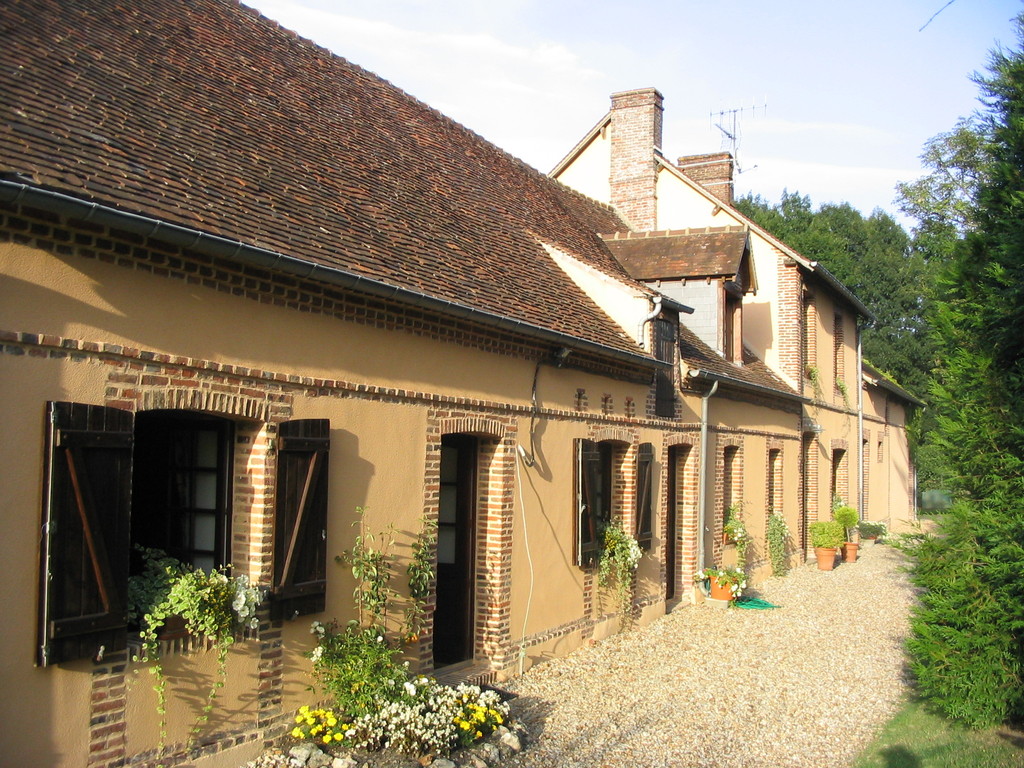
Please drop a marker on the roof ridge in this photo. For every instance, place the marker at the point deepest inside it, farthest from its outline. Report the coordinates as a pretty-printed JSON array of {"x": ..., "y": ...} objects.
[{"x": 688, "y": 231}]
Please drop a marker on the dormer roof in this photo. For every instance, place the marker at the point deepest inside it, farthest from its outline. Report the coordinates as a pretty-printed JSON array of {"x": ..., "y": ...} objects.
[{"x": 714, "y": 252}]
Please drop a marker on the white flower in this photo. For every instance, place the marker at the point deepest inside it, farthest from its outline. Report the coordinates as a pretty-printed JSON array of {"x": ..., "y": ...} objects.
[{"x": 410, "y": 689}]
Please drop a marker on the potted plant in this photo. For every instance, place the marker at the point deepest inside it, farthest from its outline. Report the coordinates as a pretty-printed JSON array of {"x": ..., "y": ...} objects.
[
  {"x": 826, "y": 537},
  {"x": 871, "y": 531},
  {"x": 847, "y": 517},
  {"x": 725, "y": 583}
]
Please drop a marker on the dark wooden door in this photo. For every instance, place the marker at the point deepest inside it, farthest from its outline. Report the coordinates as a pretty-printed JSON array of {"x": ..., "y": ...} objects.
[
  {"x": 671, "y": 520},
  {"x": 456, "y": 547}
]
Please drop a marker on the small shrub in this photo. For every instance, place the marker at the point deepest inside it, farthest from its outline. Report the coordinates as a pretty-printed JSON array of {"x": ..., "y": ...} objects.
[
  {"x": 826, "y": 533},
  {"x": 871, "y": 530},
  {"x": 846, "y": 517},
  {"x": 778, "y": 535},
  {"x": 356, "y": 667}
]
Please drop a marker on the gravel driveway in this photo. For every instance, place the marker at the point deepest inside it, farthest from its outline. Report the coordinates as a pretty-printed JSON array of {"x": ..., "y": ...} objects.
[{"x": 806, "y": 684}]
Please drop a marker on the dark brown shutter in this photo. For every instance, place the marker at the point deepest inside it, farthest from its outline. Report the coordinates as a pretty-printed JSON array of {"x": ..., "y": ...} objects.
[
  {"x": 85, "y": 532},
  {"x": 588, "y": 477},
  {"x": 664, "y": 380},
  {"x": 300, "y": 530},
  {"x": 644, "y": 500}
]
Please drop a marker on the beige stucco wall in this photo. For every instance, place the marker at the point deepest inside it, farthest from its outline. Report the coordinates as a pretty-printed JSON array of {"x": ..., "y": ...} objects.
[
  {"x": 589, "y": 172},
  {"x": 378, "y": 450}
]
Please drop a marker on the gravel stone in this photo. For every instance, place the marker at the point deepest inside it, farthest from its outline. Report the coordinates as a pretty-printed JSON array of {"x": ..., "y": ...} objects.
[{"x": 807, "y": 683}]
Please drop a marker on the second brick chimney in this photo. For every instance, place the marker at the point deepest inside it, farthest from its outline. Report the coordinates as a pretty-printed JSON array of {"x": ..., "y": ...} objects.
[
  {"x": 635, "y": 137},
  {"x": 713, "y": 172}
]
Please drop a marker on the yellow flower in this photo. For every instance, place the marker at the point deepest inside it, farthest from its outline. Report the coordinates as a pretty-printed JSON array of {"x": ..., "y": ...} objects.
[
  {"x": 339, "y": 736},
  {"x": 479, "y": 735},
  {"x": 332, "y": 721},
  {"x": 464, "y": 725},
  {"x": 297, "y": 733},
  {"x": 327, "y": 739}
]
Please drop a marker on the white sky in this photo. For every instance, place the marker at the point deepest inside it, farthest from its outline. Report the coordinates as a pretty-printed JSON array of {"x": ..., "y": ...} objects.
[{"x": 852, "y": 89}]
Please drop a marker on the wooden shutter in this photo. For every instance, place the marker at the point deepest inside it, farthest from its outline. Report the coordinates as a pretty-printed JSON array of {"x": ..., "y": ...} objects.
[
  {"x": 588, "y": 478},
  {"x": 300, "y": 530},
  {"x": 85, "y": 532},
  {"x": 664, "y": 380},
  {"x": 644, "y": 500}
]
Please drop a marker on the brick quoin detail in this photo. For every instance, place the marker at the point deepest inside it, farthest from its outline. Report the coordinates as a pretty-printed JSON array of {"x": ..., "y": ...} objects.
[
  {"x": 680, "y": 461},
  {"x": 492, "y": 628},
  {"x": 728, "y": 485},
  {"x": 792, "y": 326}
]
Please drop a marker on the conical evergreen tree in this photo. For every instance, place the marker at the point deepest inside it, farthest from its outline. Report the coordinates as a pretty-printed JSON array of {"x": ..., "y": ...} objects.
[{"x": 968, "y": 635}]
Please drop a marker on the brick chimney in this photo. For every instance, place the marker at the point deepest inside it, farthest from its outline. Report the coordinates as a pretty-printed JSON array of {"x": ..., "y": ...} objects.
[
  {"x": 635, "y": 137},
  {"x": 713, "y": 172}
]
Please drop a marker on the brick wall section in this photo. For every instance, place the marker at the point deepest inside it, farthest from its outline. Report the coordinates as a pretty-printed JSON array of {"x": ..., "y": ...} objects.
[
  {"x": 680, "y": 460},
  {"x": 492, "y": 638},
  {"x": 840, "y": 470},
  {"x": 865, "y": 463},
  {"x": 791, "y": 323},
  {"x": 838, "y": 358},
  {"x": 810, "y": 483},
  {"x": 636, "y": 120},
  {"x": 712, "y": 171},
  {"x": 728, "y": 487},
  {"x": 107, "y": 712}
]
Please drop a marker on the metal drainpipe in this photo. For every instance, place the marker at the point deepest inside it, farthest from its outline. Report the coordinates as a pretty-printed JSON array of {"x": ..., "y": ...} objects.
[
  {"x": 705, "y": 409},
  {"x": 655, "y": 311},
  {"x": 861, "y": 501}
]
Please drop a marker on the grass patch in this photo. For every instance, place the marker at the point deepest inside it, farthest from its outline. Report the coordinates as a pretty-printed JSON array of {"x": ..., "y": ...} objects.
[{"x": 917, "y": 738}]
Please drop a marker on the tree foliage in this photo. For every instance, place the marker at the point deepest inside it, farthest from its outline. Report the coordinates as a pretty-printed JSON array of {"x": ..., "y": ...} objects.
[
  {"x": 873, "y": 257},
  {"x": 968, "y": 635}
]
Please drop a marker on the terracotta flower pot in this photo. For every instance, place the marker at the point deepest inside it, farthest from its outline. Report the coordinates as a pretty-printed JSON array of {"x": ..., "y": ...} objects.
[
  {"x": 826, "y": 558},
  {"x": 719, "y": 591},
  {"x": 850, "y": 552}
]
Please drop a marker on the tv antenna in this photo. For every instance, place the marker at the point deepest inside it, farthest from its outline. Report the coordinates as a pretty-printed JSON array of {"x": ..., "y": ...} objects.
[{"x": 728, "y": 122}]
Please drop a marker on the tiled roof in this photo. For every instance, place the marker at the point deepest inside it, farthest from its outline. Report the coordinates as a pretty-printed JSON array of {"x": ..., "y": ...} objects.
[
  {"x": 207, "y": 115},
  {"x": 699, "y": 355},
  {"x": 674, "y": 254}
]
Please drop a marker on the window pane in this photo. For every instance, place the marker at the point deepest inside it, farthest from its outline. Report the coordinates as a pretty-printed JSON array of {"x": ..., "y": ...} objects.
[
  {"x": 206, "y": 490},
  {"x": 446, "y": 545},
  {"x": 204, "y": 532},
  {"x": 180, "y": 491},
  {"x": 449, "y": 496},
  {"x": 203, "y": 562},
  {"x": 206, "y": 448},
  {"x": 449, "y": 464}
]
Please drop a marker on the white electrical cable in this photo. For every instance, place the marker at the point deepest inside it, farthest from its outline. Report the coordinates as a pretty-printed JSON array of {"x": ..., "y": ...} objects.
[{"x": 521, "y": 452}]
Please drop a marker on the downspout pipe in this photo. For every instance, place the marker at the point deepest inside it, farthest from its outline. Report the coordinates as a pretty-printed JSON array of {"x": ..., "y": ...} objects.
[
  {"x": 655, "y": 311},
  {"x": 702, "y": 485},
  {"x": 861, "y": 501}
]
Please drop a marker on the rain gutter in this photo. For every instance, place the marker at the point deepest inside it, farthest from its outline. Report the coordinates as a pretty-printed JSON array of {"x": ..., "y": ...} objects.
[{"x": 222, "y": 247}]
